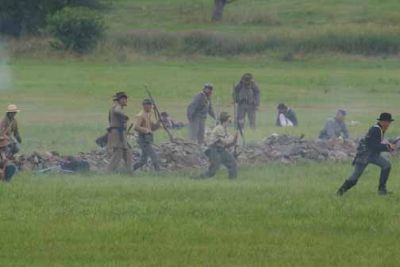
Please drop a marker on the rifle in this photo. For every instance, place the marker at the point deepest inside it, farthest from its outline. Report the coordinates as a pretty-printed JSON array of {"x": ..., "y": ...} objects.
[{"x": 158, "y": 115}]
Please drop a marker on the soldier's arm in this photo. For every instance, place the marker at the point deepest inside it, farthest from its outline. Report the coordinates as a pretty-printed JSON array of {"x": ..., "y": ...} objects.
[
  {"x": 294, "y": 118},
  {"x": 138, "y": 128},
  {"x": 375, "y": 140},
  {"x": 155, "y": 125},
  {"x": 120, "y": 112}
]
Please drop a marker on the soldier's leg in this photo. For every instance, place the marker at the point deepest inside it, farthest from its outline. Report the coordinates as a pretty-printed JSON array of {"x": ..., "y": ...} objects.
[
  {"x": 353, "y": 179},
  {"x": 241, "y": 115},
  {"x": 215, "y": 162},
  {"x": 116, "y": 157},
  {"x": 193, "y": 129},
  {"x": 385, "y": 166},
  {"x": 143, "y": 158},
  {"x": 230, "y": 163},
  {"x": 154, "y": 158},
  {"x": 251, "y": 114},
  {"x": 201, "y": 131},
  {"x": 127, "y": 156}
]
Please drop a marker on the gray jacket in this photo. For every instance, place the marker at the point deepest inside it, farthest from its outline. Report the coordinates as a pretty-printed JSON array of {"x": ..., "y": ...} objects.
[
  {"x": 200, "y": 107},
  {"x": 334, "y": 129}
]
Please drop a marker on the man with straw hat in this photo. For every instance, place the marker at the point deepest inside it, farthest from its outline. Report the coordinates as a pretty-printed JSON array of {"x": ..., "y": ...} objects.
[
  {"x": 117, "y": 142},
  {"x": 9, "y": 133}
]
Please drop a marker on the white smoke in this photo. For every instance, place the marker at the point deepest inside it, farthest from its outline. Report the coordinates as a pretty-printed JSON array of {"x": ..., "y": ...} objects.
[{"x": 5, "y": 72}]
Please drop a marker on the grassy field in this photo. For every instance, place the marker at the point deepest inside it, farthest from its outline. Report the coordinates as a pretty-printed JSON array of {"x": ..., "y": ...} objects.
[
  {"x": 70, "y": 99},
  {"x": 273, "y": 215}
]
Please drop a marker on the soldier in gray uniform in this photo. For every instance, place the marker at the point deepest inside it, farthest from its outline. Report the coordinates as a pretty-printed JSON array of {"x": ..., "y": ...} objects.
[
  {"x": 247, "y": 97},
  {"x": 197, "y": 113},
  {"x": 335, "y": 127},
  {"x": 217, "y": 151}
]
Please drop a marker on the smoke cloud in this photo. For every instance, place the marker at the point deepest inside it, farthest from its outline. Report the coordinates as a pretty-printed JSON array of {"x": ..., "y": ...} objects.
[{"x": 5, "y": 71}]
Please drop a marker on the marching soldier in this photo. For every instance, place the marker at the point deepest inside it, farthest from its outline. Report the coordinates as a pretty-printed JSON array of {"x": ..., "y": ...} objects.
[
  {"x": 145, "y": 126},
  {"x": 217, "y": 151},
  {"x": 335, "y": 127},
  {"x": 369, "y": 151},
  {"x": 117, "y": 142},
  {"x": 247, "y": 97},
  {"x": 9, "y": 129},
  {"x": 197, "y": 113}
]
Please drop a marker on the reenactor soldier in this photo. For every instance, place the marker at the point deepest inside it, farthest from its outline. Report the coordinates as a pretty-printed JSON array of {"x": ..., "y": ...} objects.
[
  {"x": 247, "y": 97},
  {"x": 117, "y": 142},
  {"x": 197, "y": 113},
  {"x": 335, "y": 127},
  {"x": 145, "y": 126},
  {"x": 9, "y": 132},
  {"x": 369, "y": 151},
  {"x": 218, "y": 150},
  {"x": 286, "y": 116}
]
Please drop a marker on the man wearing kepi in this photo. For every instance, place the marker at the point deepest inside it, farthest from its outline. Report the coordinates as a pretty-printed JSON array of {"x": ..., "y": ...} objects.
[
  {"x": 335, "y": 127},
  {"x": 217, "y": 151},
  {"x": 197, "y": 113},
  {"x": 247, "y": 97},
  {"x": 369, "y": 151},
  {"x": 117, "y": 142},
  {"x": 145, "y": 126},
  {"x": 9, "y": 129}
]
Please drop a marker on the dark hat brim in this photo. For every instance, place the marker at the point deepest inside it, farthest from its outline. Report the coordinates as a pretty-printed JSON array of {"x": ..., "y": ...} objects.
[{"x": 383, "y": 119}]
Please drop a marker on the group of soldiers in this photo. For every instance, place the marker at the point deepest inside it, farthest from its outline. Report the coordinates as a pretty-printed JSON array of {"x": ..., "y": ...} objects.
[{"x": 246, "y": 98}]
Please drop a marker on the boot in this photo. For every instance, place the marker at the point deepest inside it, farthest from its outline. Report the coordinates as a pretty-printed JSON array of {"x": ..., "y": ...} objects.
[
  {"x": 382, "y": 182},
  {"x": 346, "y": 186}
]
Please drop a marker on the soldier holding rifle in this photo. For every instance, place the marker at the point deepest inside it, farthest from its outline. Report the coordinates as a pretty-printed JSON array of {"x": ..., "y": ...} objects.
[
  {"x": 218, "y": 150},
  {"x": 145, "y": 126}
]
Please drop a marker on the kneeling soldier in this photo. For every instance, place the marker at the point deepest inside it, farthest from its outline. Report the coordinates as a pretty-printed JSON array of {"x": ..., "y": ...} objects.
[
  {"x": 217, "y": 151},
  {"x": 145, "y": 126},
  {"x": 369, "y": 151}
]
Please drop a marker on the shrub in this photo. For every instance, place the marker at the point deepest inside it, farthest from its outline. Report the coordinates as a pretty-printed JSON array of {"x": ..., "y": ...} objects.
[{"x": 77, "y": 28}]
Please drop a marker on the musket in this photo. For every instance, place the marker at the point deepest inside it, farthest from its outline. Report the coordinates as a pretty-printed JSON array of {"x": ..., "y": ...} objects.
[{"x": 158, "y": 115}]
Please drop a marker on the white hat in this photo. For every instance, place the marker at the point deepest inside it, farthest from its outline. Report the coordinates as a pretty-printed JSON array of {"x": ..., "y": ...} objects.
[{"x": 12, "y": 108}]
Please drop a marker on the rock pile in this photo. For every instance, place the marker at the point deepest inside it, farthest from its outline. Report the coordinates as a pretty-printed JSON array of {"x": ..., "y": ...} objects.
[
  {"x": 286, "y": 148},
  {"x": 182, "y": 154}
]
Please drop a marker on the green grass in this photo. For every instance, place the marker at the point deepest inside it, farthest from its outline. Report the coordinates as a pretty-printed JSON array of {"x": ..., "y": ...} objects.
[
  {"x": 70, "y": 99},
  {"x": 270, "y": 216}
]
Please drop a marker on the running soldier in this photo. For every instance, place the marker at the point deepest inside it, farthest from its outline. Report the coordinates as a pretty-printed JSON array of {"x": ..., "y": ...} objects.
[
  {"x": 369, "y": 151},
  {"x": 218, "y": 150}
]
